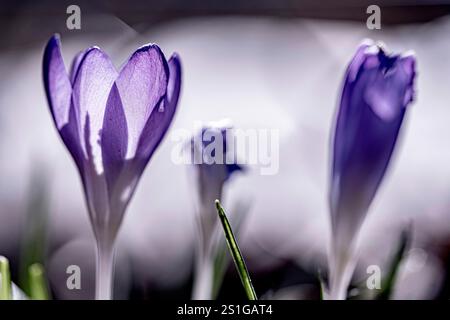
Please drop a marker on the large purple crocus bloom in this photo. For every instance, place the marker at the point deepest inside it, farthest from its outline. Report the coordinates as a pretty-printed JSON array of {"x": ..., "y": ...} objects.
[
  {"x": 111, "y": 122},
  {"x": 377, "y": 90}
]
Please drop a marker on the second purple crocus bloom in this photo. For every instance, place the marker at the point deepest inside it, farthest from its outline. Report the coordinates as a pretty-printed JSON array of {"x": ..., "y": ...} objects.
[
  {"x": 111, "y": 122},
  {"x": 377, "y": 90},
  {"x": 210, "y": 149}
]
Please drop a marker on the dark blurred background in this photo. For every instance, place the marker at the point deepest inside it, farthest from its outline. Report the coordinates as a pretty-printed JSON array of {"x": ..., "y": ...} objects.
[{"x": 38, "y": 18}]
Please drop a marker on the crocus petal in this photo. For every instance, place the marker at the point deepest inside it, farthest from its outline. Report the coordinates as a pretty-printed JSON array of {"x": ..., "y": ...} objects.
[
  {"x": 114, "y": 138},
  {"x": 358, "y": 59},
  {"x": 76, "y": 64},
  {"x": 122, "y": 180},
  {"x": 91, "y": 89},
  {"x": 162, "y": 116},
  {"x": 70, "y": 135},
  {"x": 212, "y": 149},
  {"x": 376, "y": 92},
  {"x": 59, "y": 91},
  {"x": 56, "y": 82},
  {"x": 142, "y": 84},
  {"x": 231, "y": 168},
  {"x": 174, "y": 83},
  {"x": 95, "y": 188}
]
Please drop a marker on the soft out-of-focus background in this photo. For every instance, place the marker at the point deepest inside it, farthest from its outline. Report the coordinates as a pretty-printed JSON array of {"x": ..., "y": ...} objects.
[{"x": 262, "y": 64}]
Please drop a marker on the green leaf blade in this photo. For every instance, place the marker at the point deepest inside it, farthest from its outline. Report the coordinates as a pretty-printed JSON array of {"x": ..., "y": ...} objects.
[
  {"x": 37, "y": 282},
  {"x": 236, "y": 253},
  {"x": 5, "y": 281}
]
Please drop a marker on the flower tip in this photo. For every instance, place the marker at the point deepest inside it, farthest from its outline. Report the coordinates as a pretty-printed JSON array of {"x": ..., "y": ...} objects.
[
  {"x": 53, "y": 42},
  {"x": 409, "y": 53},
  {"x": 175, "y": 58},
  {"x": 374, "y": 47},
  {"x": 94, "y": 48},
  {"x": 148, "y": 47},
  {"x": 56, "y": 37},
  {"x": 367, "y": 42},
  {"x": 382, "y": 46},
  {"x": 151, "y": 51}
]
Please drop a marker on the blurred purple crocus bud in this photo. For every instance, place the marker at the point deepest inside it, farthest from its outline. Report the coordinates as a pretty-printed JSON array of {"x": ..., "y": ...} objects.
[
  {"x": 376, "y": 93},
  {"x": 214, "y": 160},
  {"x": 111, "y": 122},
  {"x": 212, "y": 152}
]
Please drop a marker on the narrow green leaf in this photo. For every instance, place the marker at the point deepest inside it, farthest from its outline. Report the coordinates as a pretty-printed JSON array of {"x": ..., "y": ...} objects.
[
  {"x": 236, "y": 253},
  {"x": 389, "y": 281},
  {"x": 5, "y": 280},
  {"x": 222, "y": 259},
  {"x": 35, "y": 228},
  {"x": 37, "y": 282},
  {"x": 323, "y": 286}
]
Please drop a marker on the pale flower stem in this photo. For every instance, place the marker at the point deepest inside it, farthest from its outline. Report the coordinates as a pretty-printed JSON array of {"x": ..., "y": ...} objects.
[
  {"x": 342, "y": 268},
  {"x": 339, "y": 285},
  {"x": 105, "y": 271},
  {"x": 204, "y": 258},
  {"x": 202, "y": 287}
]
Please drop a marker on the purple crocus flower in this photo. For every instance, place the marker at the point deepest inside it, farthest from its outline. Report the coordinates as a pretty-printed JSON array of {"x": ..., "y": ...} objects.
[
  {"x": 377, "y": 90},
  {"x": 111, "y": 122},
  {"x": 210, "y": 149}
]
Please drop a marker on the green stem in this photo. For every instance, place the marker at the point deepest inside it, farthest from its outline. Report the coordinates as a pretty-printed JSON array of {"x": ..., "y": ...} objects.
[
  {"x": 236, "y": 253},
  {"x": 389, "y": 282},
  {"x": 37, "y": 282},
  {"x": 5, "y": 284}
]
